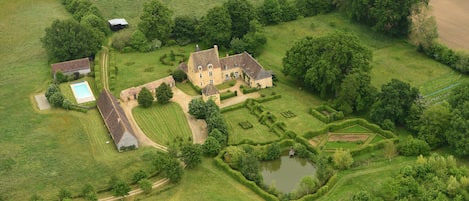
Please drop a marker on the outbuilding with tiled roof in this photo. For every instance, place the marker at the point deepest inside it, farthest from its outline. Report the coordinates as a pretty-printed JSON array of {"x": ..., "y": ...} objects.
[{"x": 116, "y": 121}]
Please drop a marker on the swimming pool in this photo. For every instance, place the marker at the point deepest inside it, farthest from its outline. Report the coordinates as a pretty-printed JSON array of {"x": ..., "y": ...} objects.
[{"x": 82, "y": 92}]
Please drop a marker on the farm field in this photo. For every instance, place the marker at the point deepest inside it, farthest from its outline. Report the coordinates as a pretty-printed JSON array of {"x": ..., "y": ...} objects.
[
  {"x": 452, "y": 20},
  {"x": 162, "y": 123}
]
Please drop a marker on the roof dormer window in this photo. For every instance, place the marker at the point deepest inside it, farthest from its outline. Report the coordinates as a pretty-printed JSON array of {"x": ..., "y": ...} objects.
[
  {"x": 200, "y": 68},
  {"x": 210, "y": 66}
]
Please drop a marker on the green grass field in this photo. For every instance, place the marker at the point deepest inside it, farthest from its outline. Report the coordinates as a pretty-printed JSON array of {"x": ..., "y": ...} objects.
[
  {"x": 187, "y": 88},
  {"x": 376, "y": 173},
  {"x": 206, "y": 182},
  {"x": 259, "y": 133},
  {"x": 162, "y": 123}
]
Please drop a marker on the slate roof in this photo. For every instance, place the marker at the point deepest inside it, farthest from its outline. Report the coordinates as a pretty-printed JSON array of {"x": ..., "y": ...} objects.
[
  {"x": 209, "y": 90},
  {"x": 205, "y": 57},
  {"x": 250, "y": 65},
  {"x": 114, "y": 117},
  {"x": 71, "y": 66}
]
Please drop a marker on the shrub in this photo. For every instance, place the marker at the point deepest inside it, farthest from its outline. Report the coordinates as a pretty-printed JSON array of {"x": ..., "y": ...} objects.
[
  {"x": 245, "y": 125},
  {"x": 226, "y": 95},
  {"x": 211, "y": 146},
  {"x": 179, "y": 75},
  {"x": 249, "y": 90},
  {"x": 57, "y": 99},
  {"x": 145, "y": 98},
  {"x": 413, "y": 147},
  {"x": 342, "y": 159}
]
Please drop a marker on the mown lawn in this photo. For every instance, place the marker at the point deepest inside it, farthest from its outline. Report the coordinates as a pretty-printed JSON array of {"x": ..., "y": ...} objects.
[
  {"x": 376, "y": 173},
  {"x": 162, "y": 123},
  {"x": 187, "y": 88},
  {"x": 205, "y": 182},
  {"x": 258, "y": 133}
]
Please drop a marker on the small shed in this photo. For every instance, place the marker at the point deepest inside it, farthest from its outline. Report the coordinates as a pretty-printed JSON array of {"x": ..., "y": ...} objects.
[
  {"x": 118, "y": 24},
  {"x": 78, "y": 66}
]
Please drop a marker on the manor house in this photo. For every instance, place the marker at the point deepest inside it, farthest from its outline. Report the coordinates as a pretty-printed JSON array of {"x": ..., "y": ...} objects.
[{"x": 204, "y": 67}]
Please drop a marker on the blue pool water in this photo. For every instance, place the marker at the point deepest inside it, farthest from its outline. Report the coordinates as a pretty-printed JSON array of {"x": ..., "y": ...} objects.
[{"x": 81, "y": 90}]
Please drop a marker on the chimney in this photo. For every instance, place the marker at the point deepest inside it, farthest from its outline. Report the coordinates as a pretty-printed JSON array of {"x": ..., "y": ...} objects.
[
  {"x": 227, "y": 55},
  {"x": 197, "y": 48},
  {"x": 215, "y": 47}
]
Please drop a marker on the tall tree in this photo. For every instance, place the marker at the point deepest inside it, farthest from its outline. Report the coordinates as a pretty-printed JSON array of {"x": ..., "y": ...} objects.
[
  {"x": 191, "y": 154},
  {"x": 185, "y": 29},
  {"x": 386, "y": 16},
  {"x": 121, "y": 188},
  {"x": 424, "y": 30},
  {"x": 322, "y": 63},
  {"x": 145, "y": 98},
  {"x": 313, "y": 7},
  {"x": 68, "y": 39},
  {"x": 156, "y": 21},
  {"x": 270, "y": 12},
  {"x": 356, "y": 93},
  {"x": 433, "y": 124},
  {"x": 89, "y": 192},
  {"x": 458, "y": 133},
  {"x": 289, "y": 10},
  {"x": 164, "y": 93},
  {"x": 145, "y": 185},
  {"x": 394, "y": 102},
  {"x": 96, "y": 22},
  {"x": 241, "y": 13},
  {"x": 216, "y": 26},
  {"x": 197, "y": 108}
]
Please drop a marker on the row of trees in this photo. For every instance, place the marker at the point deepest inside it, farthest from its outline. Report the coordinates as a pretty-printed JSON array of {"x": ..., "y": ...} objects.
[{"x": 163, "y": 95}]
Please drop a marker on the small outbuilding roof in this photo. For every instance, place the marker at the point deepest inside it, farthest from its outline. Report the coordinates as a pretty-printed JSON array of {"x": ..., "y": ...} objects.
[
  {"x": 71, "y": 66},
  {"x": 210, "y": 90},
  {"x": 118, "y": 21}
]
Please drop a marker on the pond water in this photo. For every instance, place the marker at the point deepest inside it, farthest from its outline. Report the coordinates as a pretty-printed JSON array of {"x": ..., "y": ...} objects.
[{"x": 286, "y": 173}]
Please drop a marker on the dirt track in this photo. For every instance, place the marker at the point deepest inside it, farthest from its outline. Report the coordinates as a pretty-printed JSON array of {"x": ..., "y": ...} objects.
[{"x": 452, "y": 17}]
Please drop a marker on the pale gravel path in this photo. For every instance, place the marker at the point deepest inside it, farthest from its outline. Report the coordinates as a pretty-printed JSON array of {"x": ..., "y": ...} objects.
[{"x": 197, "y": 126}]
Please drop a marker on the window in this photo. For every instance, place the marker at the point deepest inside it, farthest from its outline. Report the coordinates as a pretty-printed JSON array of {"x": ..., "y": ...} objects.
[
  {"x": 227, "y": 77},
  {"x": 200, "y": 75},
  {"x": 210, "y": 66},
  {"x": 211, "y": 81},
  {"x": 200, "y": 68},
  {"x": 226, "y": 67},
  {"x": 236, "y": 75},
  {"x": 210, "y": 73}
]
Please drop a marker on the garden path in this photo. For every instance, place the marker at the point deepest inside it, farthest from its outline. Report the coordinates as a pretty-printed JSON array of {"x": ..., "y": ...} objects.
[
  {"x": 197, "y": 126},
  {"x": 237, "y": 99},
  {"x": 136, "y": 191},
  {"x": 142, "y": 138}
]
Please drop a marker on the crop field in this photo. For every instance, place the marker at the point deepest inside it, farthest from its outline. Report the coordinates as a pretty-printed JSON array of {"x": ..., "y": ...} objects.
[
  {"x": 258, "y": 133},
  {"x": 451, "y": 18},
  {"x": 162, "y": 123}
]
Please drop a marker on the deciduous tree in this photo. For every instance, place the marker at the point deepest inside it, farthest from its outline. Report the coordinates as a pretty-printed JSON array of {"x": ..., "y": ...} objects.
[
  {"x": 145, "y": 185},
  {"x": 342, "y": 159},
  {"x": 457, "y": 134},
  {"x": 89, "y": 192},
  {"x": 216, "y": 26},
  {"x": 156, "y": 21},
  {"x": 68, "y": 39},
  {"x": 211, "y": 146},
  {"x": 394, "y": 102},
  {"x": 139, "y": 175},
  {"x": 164, "y": 93},
  {"x": 433, "y": 124},
  {"x": 241, "y": 13},
  {"x": 270, "y": 12},
  {"x": 121, "y": 188},
  {"x": 185, "y": 29},
  {"x": 191, "y": 154},
  {"x": 145, "y": 98},
  {"x": 96, "y": 22},
  {"x": 322, "y": 63},
  {"x": 197, "y": 108}
]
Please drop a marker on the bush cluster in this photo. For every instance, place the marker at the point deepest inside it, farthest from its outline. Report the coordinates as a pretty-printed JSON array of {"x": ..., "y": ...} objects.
[
  {"x": 57, "y": 99},
  {"x": 413, "y": 147},
  {"x": 458, "y": 61},
  {"x": 228, "y": 94},
  {"x": 245, "y": 125}
]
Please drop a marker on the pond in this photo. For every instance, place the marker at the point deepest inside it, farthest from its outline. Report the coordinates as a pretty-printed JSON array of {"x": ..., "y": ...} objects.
[{"x": 286, "y": 173}]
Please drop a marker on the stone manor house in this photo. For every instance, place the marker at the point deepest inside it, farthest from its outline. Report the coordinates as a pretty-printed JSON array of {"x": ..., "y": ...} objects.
[{"x": 204, "y": 68}]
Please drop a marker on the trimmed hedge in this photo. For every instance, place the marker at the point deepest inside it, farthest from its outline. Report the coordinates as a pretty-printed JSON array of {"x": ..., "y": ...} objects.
[
  {"x": 350, "y": 122},
  {"x": 233, "y": 107},
  {"x": 458, "y": 61},
  {"x": 334, "y": 115},
  {"x": 226, "y": 95},
  {"x": 249, "y": 90},
  {"x": 241, "y": 179}
]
